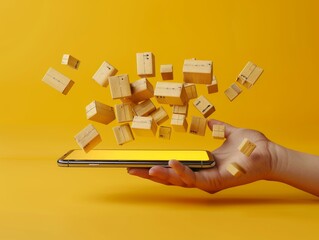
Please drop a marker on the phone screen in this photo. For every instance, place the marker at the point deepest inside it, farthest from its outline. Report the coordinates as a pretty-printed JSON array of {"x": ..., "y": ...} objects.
[{"x": 140, "y": 155}]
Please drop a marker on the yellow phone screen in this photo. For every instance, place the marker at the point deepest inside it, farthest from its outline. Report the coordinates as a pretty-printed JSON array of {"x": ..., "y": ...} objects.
[{"x": 107, "y": 154}]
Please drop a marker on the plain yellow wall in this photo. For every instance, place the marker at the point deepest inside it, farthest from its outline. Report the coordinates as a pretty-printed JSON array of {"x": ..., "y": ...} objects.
[
  {"x": 280, "y": 36},
  {"x": 39, "y": 200}
]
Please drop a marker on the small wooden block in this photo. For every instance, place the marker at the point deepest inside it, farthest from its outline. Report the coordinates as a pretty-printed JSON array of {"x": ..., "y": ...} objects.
[
  {"x": 233, "y": 91},
  {"x": 141, "y": 90},
  {"x": 160, "y": 115},
  {"x": 123, "y": 134},
  {"x": 144, "y": 126},
  {"x": 105, "y": 71},
  {"x": 144, "y": 108},
  {"x": 127, "y": 100},
  {"x": 120, "y": 86},
  {"x": 58, "y": 81},
  {"x": 167, "y": 71},
  {"x": 179, "y": 122},
  {"x": 218, "y": 131},
  {"x": 191, "y": 91},
  {"x": 198, "y": 126},
  {"x": 88, "y": 138},
  {"x": 249, "y": 75},
  {"x": 165, "y": 132},
  {"x": 170, "y": 93},
  {"x": 100, "y": 112},
  {"x": 71, "y": 61},
  {"x": 198, "y": 71},
  {"x": 145, "y": 64},
  {"x": 213, "y": 87},
  {"x": 235, "y": 170},
  {"x": 246, "y": 147},
  {"x": 204, "y": 106},
  {"x": 124, "y": 112},
  {"x": 180, "y": 109}
]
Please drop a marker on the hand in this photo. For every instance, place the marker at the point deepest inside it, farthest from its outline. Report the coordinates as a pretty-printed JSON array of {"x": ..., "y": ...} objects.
[{"x": 258, "y": 166}]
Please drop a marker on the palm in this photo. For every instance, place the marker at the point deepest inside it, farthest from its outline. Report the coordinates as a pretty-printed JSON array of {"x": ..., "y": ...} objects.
[{"x": 256, "y": 166}]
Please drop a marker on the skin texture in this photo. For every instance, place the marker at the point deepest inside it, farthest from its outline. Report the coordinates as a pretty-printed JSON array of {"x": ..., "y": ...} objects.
[{"x": 268, "y": 161}]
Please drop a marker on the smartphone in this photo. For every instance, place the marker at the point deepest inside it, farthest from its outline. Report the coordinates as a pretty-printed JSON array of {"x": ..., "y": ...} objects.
[{"x": 195, "y": 159}]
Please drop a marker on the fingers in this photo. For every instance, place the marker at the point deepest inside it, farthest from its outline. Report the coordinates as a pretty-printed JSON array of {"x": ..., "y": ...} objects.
[
  {"x": 177, "y": 174},
  {"x": 158, "y": 174},
  {"x": 180, "y": 175},
  {"x": 141, "y": 172},
  {"x": 228, "y": 128},
  {"x": 184, "y": 172},
  {"x": 167, "y": 174},
  {"x": 144, "y": 173}
]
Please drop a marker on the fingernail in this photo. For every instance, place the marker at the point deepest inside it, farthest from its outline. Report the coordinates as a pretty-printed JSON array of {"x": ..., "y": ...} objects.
[
  {"x": 170, "y": 162},
  {"x": 151, "y": 172}
]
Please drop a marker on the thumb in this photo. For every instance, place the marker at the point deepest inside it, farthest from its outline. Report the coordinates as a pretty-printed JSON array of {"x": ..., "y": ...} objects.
[{"x": 228, "y": 128}]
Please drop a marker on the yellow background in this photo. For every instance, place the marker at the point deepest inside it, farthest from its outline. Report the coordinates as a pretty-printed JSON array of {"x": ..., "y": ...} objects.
[{"x": 38, "y": 200}]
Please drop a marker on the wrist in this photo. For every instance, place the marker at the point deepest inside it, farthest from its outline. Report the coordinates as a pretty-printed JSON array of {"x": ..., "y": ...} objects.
[
  {"x": 278, "y": 161},
  {"x": 296, "y": 169}
]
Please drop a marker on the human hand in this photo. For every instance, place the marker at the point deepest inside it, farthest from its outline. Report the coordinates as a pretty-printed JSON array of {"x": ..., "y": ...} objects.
[{"x": 257, "y": 166}]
